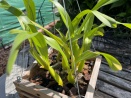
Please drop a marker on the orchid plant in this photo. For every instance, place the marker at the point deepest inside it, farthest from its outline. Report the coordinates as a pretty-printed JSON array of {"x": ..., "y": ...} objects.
[{"x": 81, "y": 27}]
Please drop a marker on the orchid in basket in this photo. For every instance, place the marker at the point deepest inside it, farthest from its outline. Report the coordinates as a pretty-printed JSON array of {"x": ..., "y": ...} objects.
[{"x": 72, "y": 54}]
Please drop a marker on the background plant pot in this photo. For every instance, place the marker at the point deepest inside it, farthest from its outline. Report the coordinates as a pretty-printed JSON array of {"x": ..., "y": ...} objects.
[{"x": 26, "y": 89}]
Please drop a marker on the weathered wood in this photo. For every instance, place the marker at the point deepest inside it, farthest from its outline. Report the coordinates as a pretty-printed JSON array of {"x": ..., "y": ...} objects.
[
  {"x": 112, "y": 90},
  {"x": 92, "y": 83},
  {"x": 99, "y": 94},
  {"x": 127, "y": 70},
  {"x": 26, "y": 88},
  {"x": 114, "y": 80},
  {"x": 121, "y": 74}
]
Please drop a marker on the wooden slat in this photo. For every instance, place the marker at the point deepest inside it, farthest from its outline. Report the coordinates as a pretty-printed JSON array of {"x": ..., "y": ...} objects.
[
  {"x": 38, "y": 90},
  {"x": 92, "y": 83},
  {"x": 114, "y": 80},
  {"x": 24, "y": 94},
  {"x": 99, "y": 94},
  {"x": 112, "y": 90},
  {"x": 122, "y": 74}
]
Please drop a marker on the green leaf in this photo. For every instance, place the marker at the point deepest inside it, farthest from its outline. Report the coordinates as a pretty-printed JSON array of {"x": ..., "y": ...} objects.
[
  {"x": 41, "y": 46},
  {"x": 108, "y": 21},
  {"x": 65, "y": 17},
  {"x": 30, "y": 9},
  {"x": 113, "y": 62},
  {"x": 39, "y": 59},
  {"x": 101, "y": 18},
  {"x": 15, "y": 48},
  {"x": 128, "y": 25},
  {"x": 101, "y": 3},
  {"x": 77, "y": 37},
  {"x": 49, "y": 33},
  {"x": 110, "y": 1},
  {"x": 61, "y": 35},
  {"x": 81, "y": 65},
  {"x": 86, "y": 55},
  {"x": 11, "y": 9},
  {"x": 46, "y": 66},
  {"x": 24, "y": 19},
  {"x": 83, "y": 24},
  {"x": 111, "y": 20},
  {"x": 75, "y": 49},
  {"x": 55, "y": 76},
  {"x": 89, "y": 23},
  {"x": 16, "y": 31},
  {"x": 53, "y": 43},
  {"x": 70, "y": 77},
  {"x": 60, "y": 41},
  {"x": 78, "y": 18},
  {"x": 89, "y": 36}
]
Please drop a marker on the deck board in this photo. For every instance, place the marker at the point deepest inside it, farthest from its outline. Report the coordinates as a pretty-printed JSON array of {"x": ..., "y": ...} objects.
[{"x": 111, "y": 84}]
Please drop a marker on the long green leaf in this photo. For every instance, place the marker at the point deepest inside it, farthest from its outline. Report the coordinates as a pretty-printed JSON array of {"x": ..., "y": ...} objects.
[
  {"x": 41, "y": 46},
  {"x": 89, "y": 23},
  {"x": 82, "y": 25},
  {"x": 101, "y": 3},
  {"x": 60, "y": 41},
  {"x": 56, "y": 46},
  {"x": 23, "y": 20},
  {"x": 39, "y": 59},
  {"x": 30, "y": 9},
  {"x": 86, "y": 55},
  {"x": 16, "y": 31},
  {"x": 55, "y": 76},
  {"x": 88, "y": 38},
  {"x": 110, "y": 1},
  {"x": 46, "y": 66},
  {"x": 81, "y": 65},
  {"x": 14, "y": 50},
  {"x": 101, "y": 18},
  {"x": 11, "y": 9},
  {"x": 79, "y": 17},
  {"x": 113, "y": 62},
  {"x": 70, "y": 77},
  {"x": 77, "y": 37},
  {"x": 62, "y": 36},
  {"x": 111, "y": 20},
  {"x": 128, "y": 25},
  {"x": 65, "y": 17}
]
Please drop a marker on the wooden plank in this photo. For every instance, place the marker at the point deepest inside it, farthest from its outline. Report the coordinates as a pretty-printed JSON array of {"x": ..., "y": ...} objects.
[
  {"x": 38, "y": 90},
  {"x": 21, "y": 88},
  {"x": 92, "y": 83},
  {"x": 114, "y": 80},
  {"x": 112, "y": 90},
  {"x": 23, "y": 94},
  {"x": 121, "y": 74},
  {"x": 127, "y": 70},
  {"x": 99, "y": 94}
]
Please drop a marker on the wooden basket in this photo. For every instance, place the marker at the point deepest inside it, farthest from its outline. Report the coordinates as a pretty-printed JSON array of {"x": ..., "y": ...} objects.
[{"x": 26, "y": 89}]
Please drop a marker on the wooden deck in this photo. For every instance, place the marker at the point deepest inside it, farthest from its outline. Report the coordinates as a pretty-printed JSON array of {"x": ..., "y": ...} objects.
[{"x": 112, "y": 84}]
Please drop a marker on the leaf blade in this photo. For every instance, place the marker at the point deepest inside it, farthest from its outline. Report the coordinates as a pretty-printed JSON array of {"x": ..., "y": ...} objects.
[{"x": 14, "y": 50}]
